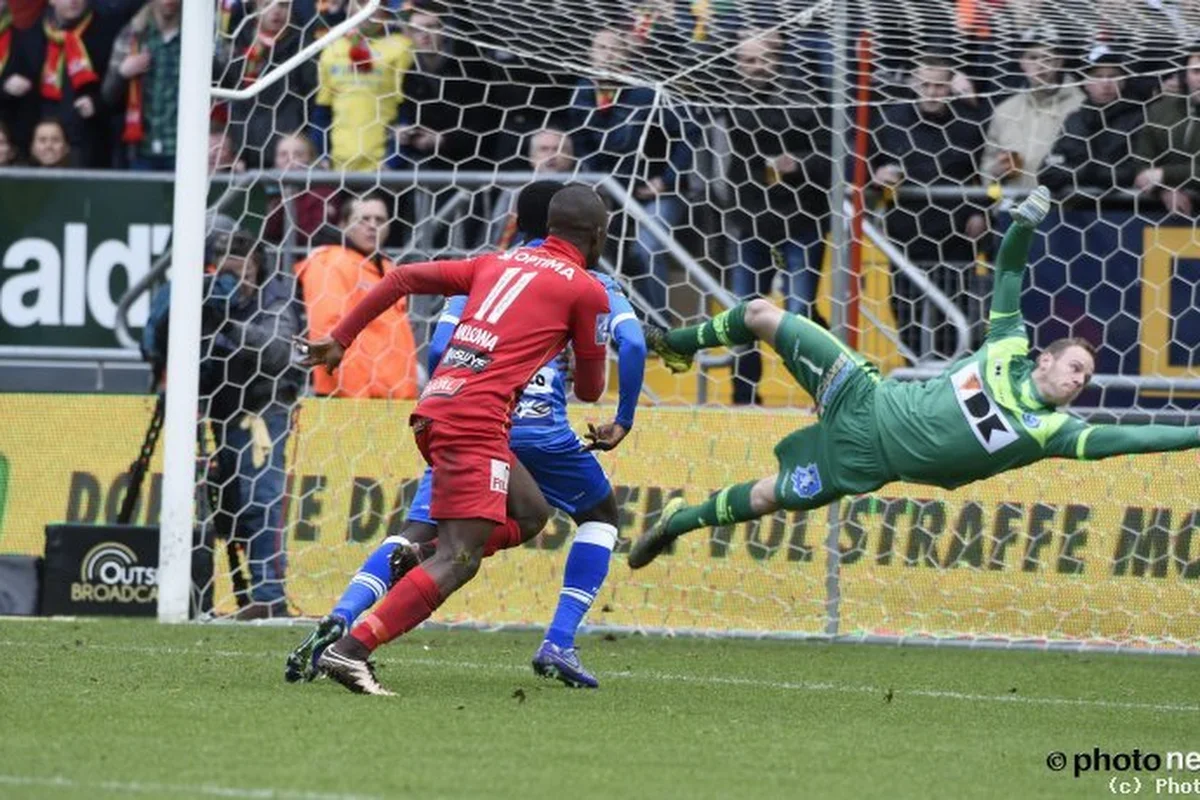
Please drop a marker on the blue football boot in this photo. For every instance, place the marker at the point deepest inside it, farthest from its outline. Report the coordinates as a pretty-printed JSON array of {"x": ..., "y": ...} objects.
[{"x": 552, "y": 661}]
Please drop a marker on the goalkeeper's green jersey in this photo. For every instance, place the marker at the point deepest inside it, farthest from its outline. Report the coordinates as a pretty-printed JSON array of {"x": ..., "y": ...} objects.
[{"x": 984, "y": 415}]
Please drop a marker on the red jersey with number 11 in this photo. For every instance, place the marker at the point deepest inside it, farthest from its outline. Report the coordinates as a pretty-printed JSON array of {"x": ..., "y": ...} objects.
[{"x": 523, "y": 307}]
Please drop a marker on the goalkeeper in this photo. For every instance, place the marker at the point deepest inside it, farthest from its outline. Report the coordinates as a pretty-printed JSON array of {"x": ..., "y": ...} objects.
[{"x": 992, "y": 411}]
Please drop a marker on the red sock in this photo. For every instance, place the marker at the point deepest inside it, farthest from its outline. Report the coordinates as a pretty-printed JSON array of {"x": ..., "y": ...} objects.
[
  {"x": 407, "y": 605},
  {"x": 503, "y": 537}
]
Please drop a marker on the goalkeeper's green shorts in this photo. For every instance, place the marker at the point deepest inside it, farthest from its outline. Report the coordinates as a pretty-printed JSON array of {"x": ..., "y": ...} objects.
[{"x": 840, "y": 454}]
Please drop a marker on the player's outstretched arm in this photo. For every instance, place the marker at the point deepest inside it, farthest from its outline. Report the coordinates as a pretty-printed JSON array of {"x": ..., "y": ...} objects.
[
  {"x": 431, "y": 277},
  {"x": 1092, "y": 442}
]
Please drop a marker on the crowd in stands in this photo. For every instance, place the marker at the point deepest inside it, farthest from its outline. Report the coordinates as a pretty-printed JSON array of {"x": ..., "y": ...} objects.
[{"x": 964, "y": 94}]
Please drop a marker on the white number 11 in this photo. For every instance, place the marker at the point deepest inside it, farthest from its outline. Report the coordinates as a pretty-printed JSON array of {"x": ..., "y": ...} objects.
[{"x": 509, "y": 297}]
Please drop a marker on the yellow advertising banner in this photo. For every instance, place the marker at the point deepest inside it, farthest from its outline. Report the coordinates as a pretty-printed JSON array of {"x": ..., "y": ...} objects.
[{"x": 1064, "y": 550}]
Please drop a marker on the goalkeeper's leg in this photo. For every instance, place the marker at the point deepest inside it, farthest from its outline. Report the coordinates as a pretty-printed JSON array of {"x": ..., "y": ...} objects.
[
  {"x": 816, "y": 358},
  {"x": 806, "y": 480},
  {"x": 737, "y": 503}
]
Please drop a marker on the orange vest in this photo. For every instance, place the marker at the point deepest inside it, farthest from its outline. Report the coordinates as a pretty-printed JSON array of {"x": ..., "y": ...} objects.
[{"x": 382, "y": 362}]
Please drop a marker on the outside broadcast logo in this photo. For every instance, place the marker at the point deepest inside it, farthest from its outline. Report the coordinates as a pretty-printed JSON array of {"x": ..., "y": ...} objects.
[{"x": 109, "y": 573}]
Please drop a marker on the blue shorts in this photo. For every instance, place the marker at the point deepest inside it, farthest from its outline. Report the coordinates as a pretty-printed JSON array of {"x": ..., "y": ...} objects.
[{"x": 571, "y": 478}]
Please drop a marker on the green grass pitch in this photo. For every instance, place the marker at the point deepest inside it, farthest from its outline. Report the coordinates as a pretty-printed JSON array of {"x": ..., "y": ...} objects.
[{"x": 136, "y": 709}]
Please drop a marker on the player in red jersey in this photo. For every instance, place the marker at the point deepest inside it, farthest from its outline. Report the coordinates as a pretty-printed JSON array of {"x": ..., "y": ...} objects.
[{"x": 523, "y": 306}]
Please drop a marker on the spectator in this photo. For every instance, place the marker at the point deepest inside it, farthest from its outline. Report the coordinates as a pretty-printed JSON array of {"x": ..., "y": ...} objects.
[
  {"x": 523, "y": 94},
  {"x": 292, "y": 206},
  {"x": 283, "y": 106},
  {"x": 607, "y": 123},
  {"x": 221, "y": 155},
  {"x": 68, "y": 55},
  {"x": 335, "y": 278},
  {"x": 1026, "y": 125},
  {"x": 1168, "y": 148},
  {"x": 8, "y": 149},
  {"x": 50, "y": 147},
  {"x": 780, "y": 169},
  {"x": 17, "y": 114},
  {"x": 934, "y": 141},
  {"x": 444, "y": 114},
  {"x": 549, "y": 151},
  {"x": 25, "y": 13},
  {"x": 361, "y": 78},
  {"x": 1094, "y": 151},
  {"x": 143, "y": 79},
  {"x": 327, "y": 13},
  {"x": 249, "y": 388},
  {"x": 671, "y": 36},
  {"x": 449, "y": 109}
]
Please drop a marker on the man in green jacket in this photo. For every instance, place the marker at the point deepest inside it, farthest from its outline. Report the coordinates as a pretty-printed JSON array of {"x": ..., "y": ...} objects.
[
  {"x": 1169, "y": 144},
  {"x": 992, "y": 411}
]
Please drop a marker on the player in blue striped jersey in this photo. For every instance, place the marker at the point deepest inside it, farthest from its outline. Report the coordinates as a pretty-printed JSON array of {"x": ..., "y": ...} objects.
[{"x": 564, "y": 466}]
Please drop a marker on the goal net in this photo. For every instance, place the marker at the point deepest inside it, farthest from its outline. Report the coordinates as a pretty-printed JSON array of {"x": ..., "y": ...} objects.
[{"x": 854, "y": 162}]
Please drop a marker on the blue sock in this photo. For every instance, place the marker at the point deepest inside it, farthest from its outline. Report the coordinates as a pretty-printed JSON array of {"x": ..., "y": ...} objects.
[
  {"x": 587, "y": 566},
  {"x": 370, "y": 583}
]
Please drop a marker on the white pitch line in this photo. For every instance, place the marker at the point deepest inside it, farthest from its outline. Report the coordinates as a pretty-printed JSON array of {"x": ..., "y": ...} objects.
[
  {"x": 707, "y": 680},
  {"x": 208, "y": 790},
  {"x": 816, "y": 686}
]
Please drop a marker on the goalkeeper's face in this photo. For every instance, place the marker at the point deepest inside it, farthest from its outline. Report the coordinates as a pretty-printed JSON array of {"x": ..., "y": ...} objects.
[{"x": 1061, "y": 377}]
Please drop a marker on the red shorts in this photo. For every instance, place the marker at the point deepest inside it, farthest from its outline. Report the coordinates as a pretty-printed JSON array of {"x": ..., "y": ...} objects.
[{"x": 470, "y": 471}]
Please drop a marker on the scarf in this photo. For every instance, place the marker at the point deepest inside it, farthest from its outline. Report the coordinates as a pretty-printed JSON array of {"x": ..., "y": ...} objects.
[
  {"x": 134, "y": 130},
  {"x": 67, "y": 46},
  {"x": 360, "y": 52},
  {"x": 702, "y": 16},
  {"x": 225, "y": 17},
  {"x": 646, "y": 17},
  {"x": 5, "y": 38},
  {"x": 257, "y": 56}
]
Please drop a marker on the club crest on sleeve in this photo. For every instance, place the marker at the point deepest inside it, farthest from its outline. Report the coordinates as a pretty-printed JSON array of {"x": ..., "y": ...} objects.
[{"x": 806, "y": 481}]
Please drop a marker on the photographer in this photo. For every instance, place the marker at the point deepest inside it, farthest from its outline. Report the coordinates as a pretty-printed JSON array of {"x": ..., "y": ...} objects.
[{"x": 248, "y": 389}]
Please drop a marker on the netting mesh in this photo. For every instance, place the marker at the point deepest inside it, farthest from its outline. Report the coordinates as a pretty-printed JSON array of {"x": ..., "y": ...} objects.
[{"x": 724, "y": 134}]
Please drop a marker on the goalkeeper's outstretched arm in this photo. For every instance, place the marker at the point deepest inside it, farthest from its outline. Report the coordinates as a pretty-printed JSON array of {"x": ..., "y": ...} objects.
[
  {"x": 1091, "y": 442},
  {"x": 1005, "y": 320}
]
